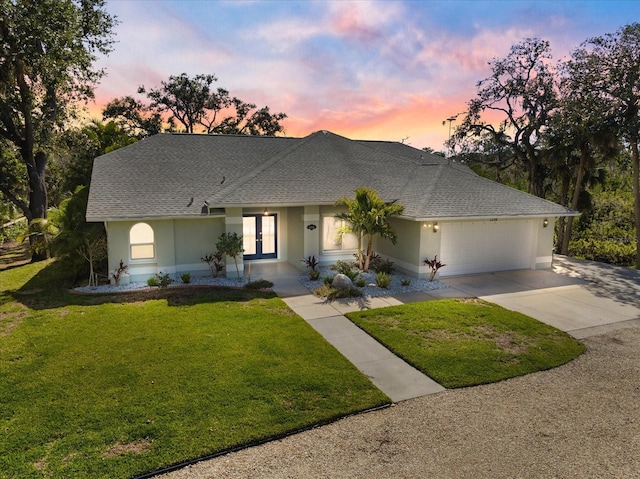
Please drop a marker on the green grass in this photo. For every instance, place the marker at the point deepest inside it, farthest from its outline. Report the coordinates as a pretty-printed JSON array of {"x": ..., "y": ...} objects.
[
  {"x": 468, "y": 342},
  {"x": 118, "y": 385}
]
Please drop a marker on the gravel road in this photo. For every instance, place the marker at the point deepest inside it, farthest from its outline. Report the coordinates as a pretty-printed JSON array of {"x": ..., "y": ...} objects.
[{"x": 581, "y": 420}]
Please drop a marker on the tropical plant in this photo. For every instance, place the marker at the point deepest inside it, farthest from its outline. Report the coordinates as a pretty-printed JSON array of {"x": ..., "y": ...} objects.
[
  {"x": 434, "y": 265},
  {"x": 231, "y": 245},
  {"x": 185, "y": 278},
  {"x": 215, "y": 263},
  {"x": 383, "y": 280},
  {"x": 311, "y": 262},
  {"x": 368, "y": 215},
  {"x": 117, "y": 273}
]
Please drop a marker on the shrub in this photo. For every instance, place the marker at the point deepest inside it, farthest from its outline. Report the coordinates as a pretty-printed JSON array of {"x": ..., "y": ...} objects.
[
  {"x": 259, "y": 284},
  {"x": 314, "y": 274},
  {"x": 328, "y": 280},
  {"x": 117, "y": 273},
  {"x": 345, "y": 267},
  {"x": 185, "y": 278},
  {"x": 163, "y": 280},
  {"x": 612, "y": 252},
  {"x": 311, "y": 262},
  {"x": 215, "y": 263},
  {"x": 153, "y": 281},
  {"x": 382, "y": 265},
  {"x": 361, "y": 283},
  {"x": 329, "y": 292},
  {"x": 383, "y": 280},
  {"x": 435, "y": 265},
  {"x": 405, "y": 282}
]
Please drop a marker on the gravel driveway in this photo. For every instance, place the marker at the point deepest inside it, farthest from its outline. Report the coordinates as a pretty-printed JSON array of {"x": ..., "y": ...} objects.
[{"x": 576, "y": 421}]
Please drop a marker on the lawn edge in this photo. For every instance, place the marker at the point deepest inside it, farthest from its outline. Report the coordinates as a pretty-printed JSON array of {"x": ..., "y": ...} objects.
[{"x": 258, "y": 442}]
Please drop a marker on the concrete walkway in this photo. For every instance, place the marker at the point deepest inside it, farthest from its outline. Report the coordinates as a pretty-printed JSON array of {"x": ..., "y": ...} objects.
[
  {"x": 581, "y": 298},
  {"x": 397, "y": 379}
]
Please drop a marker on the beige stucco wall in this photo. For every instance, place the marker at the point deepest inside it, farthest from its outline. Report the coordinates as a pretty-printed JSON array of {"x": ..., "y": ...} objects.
[
  {"x": 406, "y": 252},
  {"x": 295, "y": 234},
  {"x": 544, "y": 247},
  {"x": 195, "y": 238}
]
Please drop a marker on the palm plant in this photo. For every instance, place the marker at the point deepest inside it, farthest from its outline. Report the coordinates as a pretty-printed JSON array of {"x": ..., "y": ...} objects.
[{"x": 368, "y": 215}]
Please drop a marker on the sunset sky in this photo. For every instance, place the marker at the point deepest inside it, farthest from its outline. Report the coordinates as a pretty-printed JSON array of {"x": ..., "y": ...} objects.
[{"x": 387, "y": 70}]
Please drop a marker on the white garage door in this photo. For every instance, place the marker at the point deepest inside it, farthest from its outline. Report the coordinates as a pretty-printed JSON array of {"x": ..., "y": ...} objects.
[{"x": 483, "y": 246}]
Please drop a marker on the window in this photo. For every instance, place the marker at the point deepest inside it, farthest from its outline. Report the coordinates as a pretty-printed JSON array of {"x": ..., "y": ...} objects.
[
  {"x": 141, "y": 241},
  {"x": 337, "y": 236}
]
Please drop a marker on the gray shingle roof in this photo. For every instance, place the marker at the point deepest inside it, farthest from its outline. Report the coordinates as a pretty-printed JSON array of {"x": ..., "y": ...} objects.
[{"x": 159, "y": 176}]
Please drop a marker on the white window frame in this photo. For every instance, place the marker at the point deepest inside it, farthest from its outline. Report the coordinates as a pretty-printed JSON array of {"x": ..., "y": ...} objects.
[
  {"x": 342, "y": 249},
  {"x": 141, "y": 244}
]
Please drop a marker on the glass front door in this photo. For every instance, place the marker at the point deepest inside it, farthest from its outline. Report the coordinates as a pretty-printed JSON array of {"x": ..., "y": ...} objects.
[{"x": 259, "y": 236}]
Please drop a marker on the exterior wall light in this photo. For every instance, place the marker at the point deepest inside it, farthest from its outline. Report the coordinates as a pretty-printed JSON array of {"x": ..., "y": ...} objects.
[
  {"x": 265, "y": 212},
  {"x": 545, "y": 223},
  {"x": 436, "y": 227},
  {"x": 427, "y": 225}
]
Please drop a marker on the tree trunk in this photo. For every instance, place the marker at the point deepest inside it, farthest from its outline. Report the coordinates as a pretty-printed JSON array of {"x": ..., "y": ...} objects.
[
  {"x": 635, "y": 161},
  {"x": 38, "y": 204},
  {"x": 574, "y": 200},
  {"x": 367, "y": 258}
]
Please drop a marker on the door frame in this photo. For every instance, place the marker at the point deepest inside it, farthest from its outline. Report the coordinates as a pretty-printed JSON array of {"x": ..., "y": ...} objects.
[{"x": 259, "y": 255}]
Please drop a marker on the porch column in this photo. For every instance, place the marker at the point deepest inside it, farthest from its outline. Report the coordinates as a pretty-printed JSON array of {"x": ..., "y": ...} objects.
[
  {"x": 310, "y": 219},
  {"x": 233, "y": 224}
]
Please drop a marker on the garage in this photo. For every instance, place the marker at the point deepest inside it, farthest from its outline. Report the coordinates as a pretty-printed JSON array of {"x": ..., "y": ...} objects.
[{"x": 483, "y": 246}]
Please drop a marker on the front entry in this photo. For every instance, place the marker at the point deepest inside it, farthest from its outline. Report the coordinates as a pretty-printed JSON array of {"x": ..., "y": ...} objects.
[{"x": 259, "y": 236}]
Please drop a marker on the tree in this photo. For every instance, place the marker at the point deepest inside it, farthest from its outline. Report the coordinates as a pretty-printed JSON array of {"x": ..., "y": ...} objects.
[
  {"x": 369, "y": 216},
  {"x": 47, "y": 49},
  {"x": 579, "y": 138},
  {"x": 521, "y": 94},
  {"x": 78, "y": 244},
  {"x": 231, "y": 245},
  {"x": 610, "y": 66},
  {"x": 193, "y": 103},
  {"x": 132, "y": 116}
]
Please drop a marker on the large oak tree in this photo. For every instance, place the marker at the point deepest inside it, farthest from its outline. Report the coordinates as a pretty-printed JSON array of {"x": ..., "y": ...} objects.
[
  {"x": 610, "y": 68},
  {"x": 513, "y": 105},
  {"x": 193, "y": 105},
  {"x": 47, "y": 51}
]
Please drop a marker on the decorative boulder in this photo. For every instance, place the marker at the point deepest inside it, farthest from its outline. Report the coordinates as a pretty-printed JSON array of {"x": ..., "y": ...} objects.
[{"x": 342, "y": 281}]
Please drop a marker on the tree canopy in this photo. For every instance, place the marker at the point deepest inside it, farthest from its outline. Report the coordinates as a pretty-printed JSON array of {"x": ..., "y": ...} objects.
[
  {"x": 193, "y": 105},
  {"x": 47, "y": 51}
]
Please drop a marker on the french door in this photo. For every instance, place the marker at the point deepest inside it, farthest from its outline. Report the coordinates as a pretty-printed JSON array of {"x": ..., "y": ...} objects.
[{"x": 259, "y": 238}]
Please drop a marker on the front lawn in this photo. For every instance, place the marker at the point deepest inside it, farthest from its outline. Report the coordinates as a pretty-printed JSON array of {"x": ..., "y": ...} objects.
[
  {"x": 117, "y": 385},
  {"x": 468, "y": 342}
]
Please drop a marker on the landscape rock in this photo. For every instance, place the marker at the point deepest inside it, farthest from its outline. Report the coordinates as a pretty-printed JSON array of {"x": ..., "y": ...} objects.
[{"x": 342, "y": 281}]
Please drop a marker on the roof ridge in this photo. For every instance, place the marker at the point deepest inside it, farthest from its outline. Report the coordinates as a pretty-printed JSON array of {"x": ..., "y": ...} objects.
[{"x": 217, "y": 197}]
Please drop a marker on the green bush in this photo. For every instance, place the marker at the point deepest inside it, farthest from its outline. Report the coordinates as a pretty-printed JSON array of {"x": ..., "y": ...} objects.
[
  {"x": 329, "y": 292},
  {"x": 345, "y": 267},
  {"x": 185, "y": 278},
  {"x": 405, "y": 282},
  {"x": 604, "y": 251},
  {"x": 328, "y": 280},
  {"x": 361, "y": 283},
  {"x": 259, "y": 284},
  {"x": 382, "y": 265},
  {"x": 153, "y": 281},
  {"x": 383, "y": 280},
  {"x": 314, "y": 274}
]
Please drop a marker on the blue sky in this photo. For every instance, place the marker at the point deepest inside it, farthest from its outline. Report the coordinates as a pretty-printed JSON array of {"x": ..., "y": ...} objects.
[{"x": 385, "y": 70}]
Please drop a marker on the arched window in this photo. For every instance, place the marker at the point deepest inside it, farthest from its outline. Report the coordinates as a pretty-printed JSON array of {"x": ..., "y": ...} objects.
[{"x": 141, "y": 241}]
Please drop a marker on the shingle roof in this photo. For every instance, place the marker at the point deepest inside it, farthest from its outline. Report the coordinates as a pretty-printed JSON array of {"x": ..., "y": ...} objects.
[{"x": 173, "y": 175}]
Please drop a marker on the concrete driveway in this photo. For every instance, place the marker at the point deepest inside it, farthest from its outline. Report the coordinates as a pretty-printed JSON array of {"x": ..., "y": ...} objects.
[{"x": 583, "y": 298}]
